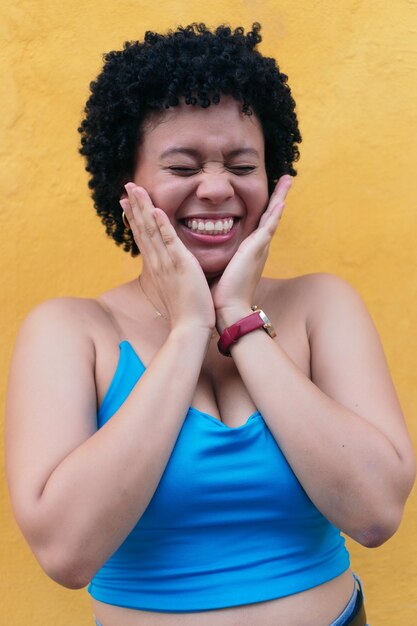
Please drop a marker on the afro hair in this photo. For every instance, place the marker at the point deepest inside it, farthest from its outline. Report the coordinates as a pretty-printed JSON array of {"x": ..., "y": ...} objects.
[{"x": 196, "y": 65}]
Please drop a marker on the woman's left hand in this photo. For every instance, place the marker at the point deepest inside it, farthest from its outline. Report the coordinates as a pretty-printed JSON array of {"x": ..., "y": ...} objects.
[{"x": 234, "y": 291}]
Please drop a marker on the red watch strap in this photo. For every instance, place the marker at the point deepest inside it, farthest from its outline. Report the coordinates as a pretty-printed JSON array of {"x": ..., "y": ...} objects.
[{"x": 238, "y": 329}]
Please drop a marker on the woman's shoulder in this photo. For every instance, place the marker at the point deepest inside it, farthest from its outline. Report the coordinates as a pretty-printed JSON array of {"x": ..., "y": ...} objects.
[
  {"x": 310, "y": 281},
  {"x": 309, "y": 288},
  {"x": 315, "y": 297},
  {"x": 77, "y": 309},
  {"x": 74, "y": 317}
]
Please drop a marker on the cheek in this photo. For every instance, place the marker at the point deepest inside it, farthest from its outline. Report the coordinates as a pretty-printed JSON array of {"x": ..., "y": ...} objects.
[
  {"x": 255, "y": 193},
  {"x": 166, "y": 194}
]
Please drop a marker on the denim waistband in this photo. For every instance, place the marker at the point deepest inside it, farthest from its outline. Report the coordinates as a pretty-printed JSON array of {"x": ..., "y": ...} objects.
[{"x": 349, "y": 608}]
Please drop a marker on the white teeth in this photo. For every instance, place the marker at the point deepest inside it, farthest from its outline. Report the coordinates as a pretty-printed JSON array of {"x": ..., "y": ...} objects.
[{"x": 220, "y": 227}]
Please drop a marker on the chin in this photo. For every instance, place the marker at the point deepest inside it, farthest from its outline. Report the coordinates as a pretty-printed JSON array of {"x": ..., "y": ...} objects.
[{"x": 213, "y": 268}]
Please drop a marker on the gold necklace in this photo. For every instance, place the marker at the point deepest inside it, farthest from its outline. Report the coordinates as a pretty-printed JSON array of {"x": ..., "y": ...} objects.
[
  {"x": 160, "y": 313},
  {"x": 157, "y": 311}
]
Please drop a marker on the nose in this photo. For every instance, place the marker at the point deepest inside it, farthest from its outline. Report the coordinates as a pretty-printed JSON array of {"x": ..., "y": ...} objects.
[{"x": 215, "y": 187}]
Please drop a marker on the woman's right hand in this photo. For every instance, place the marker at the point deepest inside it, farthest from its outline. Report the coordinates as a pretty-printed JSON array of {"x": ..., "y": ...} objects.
[{"x": 175, "y": 273}]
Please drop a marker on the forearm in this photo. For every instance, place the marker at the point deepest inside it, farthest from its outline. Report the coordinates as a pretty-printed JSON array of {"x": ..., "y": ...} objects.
[
  {"x": 97, "y": 494},
  {"x": 349, "y": 469}
]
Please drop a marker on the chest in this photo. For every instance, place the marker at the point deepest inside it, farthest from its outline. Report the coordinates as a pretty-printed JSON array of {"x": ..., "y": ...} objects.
[{"x": 220, "y": 391}]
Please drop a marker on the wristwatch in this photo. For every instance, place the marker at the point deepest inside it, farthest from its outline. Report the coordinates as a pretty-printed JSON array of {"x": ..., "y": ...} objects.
[
  {"x": 246, "y": 325},
  {"x": 267, "y": 326}
]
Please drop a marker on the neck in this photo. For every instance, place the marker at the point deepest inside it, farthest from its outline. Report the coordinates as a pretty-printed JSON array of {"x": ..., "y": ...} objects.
[
  {"x": 144, "y": 284},
  {"x": 147, "y": 282}
]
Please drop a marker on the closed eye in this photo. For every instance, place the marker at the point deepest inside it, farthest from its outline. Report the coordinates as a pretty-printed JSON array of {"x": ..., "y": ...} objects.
[
  {"x": 184, "y": 171},
  {"x": 241, "y": 169}
]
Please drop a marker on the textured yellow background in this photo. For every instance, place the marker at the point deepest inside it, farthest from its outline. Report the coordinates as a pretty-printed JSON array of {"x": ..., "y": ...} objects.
[{"x": 352, "y": 211}]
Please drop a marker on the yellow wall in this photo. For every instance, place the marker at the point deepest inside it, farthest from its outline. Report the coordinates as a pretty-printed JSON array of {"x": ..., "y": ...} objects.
[{"x": 352, "y": 210}]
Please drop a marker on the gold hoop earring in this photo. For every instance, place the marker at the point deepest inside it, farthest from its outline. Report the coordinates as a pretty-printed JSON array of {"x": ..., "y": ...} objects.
[{"x": 125, "y": 222}]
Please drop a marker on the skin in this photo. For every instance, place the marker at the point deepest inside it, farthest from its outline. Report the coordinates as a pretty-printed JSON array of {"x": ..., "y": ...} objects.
[
  {"x": 208, "y": 183},
  {"x": 337, "y": 421}
]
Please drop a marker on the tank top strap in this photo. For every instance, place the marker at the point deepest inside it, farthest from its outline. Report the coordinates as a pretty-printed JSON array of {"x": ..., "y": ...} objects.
[{"x": 120, "y": 333}]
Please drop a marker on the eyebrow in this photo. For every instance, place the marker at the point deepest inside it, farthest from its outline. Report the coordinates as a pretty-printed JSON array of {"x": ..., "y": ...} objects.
[{"x": 196, "y": 153}]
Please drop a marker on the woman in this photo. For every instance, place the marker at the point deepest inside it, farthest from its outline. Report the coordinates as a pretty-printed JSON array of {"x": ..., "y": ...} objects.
[{"x": 185, "y": 486}]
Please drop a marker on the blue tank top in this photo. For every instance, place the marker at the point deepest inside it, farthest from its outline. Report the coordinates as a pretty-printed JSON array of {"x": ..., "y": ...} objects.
[{"x": 229, "y": 523}]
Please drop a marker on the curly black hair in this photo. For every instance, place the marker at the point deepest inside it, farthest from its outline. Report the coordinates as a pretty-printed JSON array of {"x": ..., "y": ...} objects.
[{"x": 192, "y": 63}]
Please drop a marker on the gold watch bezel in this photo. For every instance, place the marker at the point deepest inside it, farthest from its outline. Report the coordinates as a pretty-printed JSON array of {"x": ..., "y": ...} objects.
[{"x": 267, "y": 322}]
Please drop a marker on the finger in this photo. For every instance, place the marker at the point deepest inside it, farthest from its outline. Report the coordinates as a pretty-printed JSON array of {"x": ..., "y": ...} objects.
[
  {"x": 258, "y": 242},
  {"x": 263, "y": 236},
  {"x": 277, "y": 197},
  {"x": 142, "y": 207},
  {"x": 146, "y": 230},
  {"x": 281, "y": 189},
  {"x": 134, "y": 213},
  {"x": 174, "y": 246},
  {"x": 128, "y": 214},
  {"x": 148, "y": 213},
  {"x": 124, "y": 203},
  {"x": 274, "y": 218},
  {"x": 274, "y": 209},
  {"x": 133, "y": 225}
]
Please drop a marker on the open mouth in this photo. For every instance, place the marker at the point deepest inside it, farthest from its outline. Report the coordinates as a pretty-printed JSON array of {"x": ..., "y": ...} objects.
[{"x": 207, "y": 226}]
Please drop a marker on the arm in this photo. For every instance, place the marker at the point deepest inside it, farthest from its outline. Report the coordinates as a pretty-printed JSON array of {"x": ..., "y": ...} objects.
[
  {"x": 342, "y": 432},
  {"x": 77, "y": 492}
]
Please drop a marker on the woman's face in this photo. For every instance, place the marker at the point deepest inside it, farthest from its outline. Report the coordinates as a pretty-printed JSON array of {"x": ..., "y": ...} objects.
[{"x": 205, "y": 168}]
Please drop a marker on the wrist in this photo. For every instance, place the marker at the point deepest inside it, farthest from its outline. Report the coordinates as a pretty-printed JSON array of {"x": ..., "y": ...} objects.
[
  {"x": 227, "y": 316},
  {"x": 255, "y": 320},
  {"x": 191, "y": 332}
]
